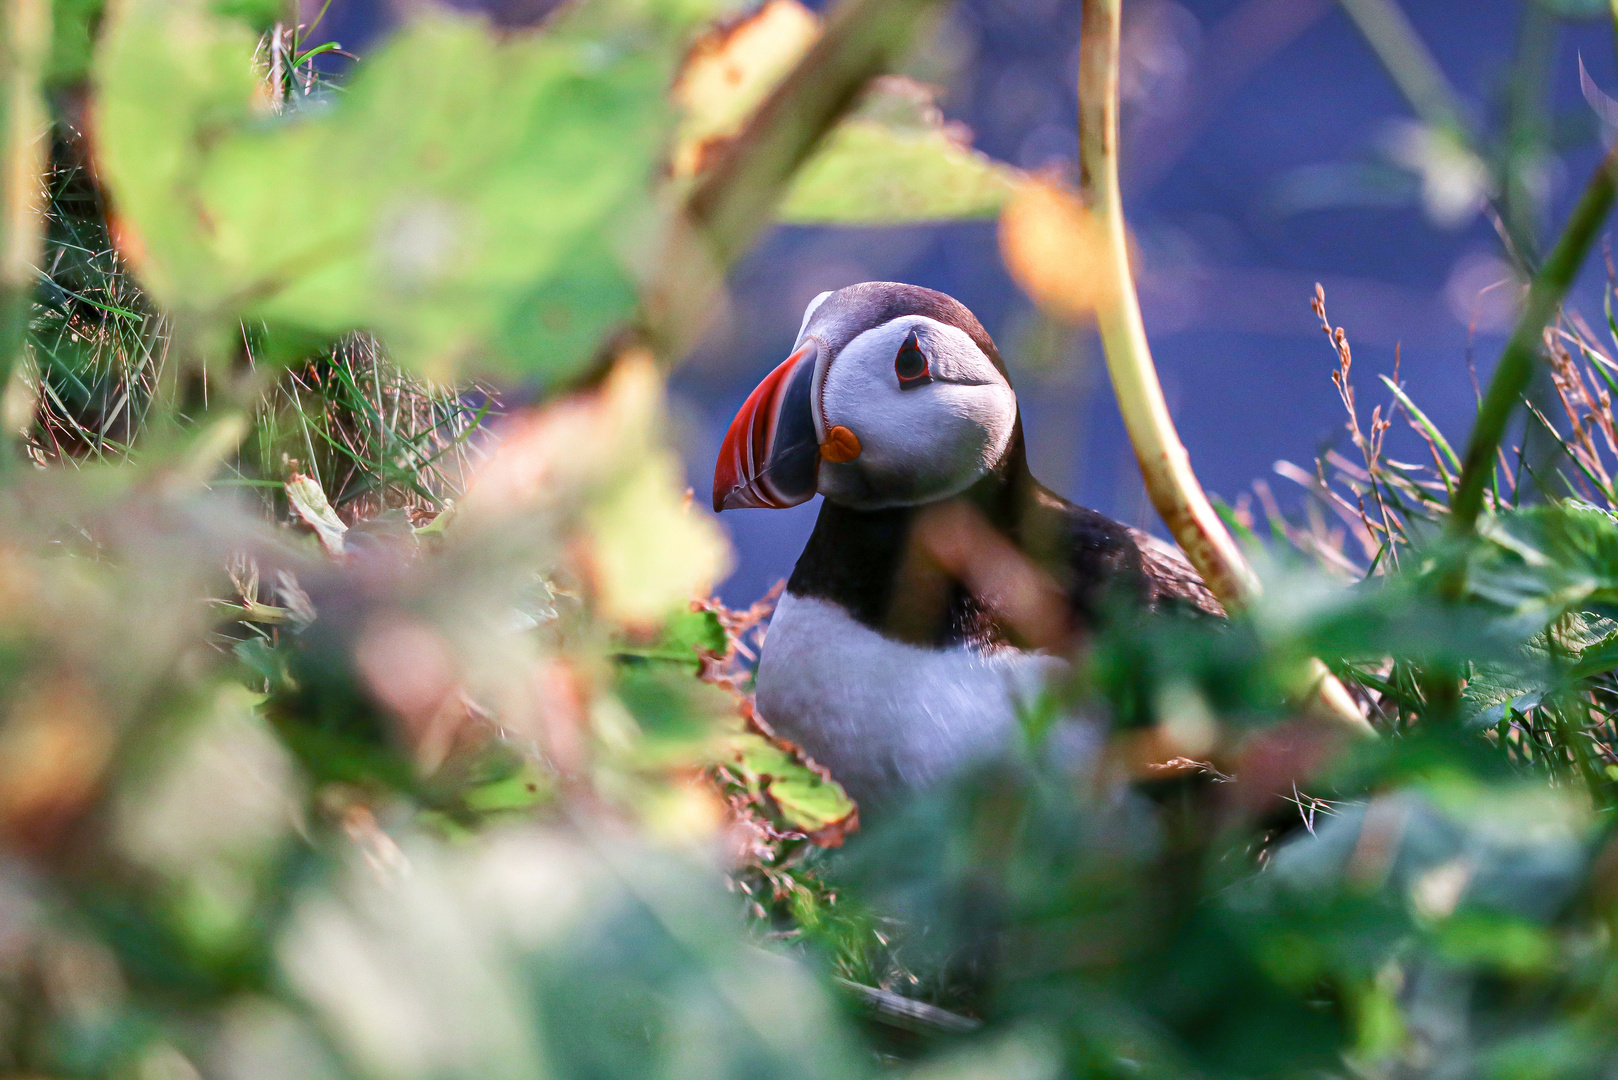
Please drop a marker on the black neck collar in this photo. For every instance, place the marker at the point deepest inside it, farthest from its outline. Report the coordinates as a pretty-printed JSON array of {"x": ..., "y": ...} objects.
[{"x": 862, "y": 560}]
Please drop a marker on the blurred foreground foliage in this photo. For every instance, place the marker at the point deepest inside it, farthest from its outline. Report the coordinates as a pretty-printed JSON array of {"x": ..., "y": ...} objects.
[{"x": 361, "y": 725}]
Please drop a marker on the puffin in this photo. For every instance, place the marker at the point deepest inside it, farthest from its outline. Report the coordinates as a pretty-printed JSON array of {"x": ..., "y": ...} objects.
[{"x": 943, "y": 587}]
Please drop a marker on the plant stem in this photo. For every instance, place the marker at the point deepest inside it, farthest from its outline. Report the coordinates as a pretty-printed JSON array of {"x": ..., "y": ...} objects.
[
  {"x": 1516, "y": 365},
  {"x": 24, "y": 37},
  {"x": 1164, "y": 463}
]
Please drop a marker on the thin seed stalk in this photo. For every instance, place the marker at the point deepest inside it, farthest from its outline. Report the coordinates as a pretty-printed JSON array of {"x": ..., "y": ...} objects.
[
  {"x": 1164, "y": 463},
  {"x": 24, "y": 37},
  {"x": 1545, "y": 294}
]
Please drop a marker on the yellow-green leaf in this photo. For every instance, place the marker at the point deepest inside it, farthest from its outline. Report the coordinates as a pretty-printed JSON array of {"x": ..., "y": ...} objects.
[{"x": 806, "y": 797}]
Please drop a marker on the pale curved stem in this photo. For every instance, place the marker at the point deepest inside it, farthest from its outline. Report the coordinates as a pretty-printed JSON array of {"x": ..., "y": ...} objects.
[{"x": 1164, "y": 463}]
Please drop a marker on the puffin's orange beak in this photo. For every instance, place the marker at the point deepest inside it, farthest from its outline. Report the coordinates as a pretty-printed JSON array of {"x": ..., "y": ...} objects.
[{"x": 771, "y": 455}]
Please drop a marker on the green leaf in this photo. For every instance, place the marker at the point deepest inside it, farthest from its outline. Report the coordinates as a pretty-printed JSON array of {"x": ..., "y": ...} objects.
[
  {"x": 1515, "y": 946},
  {"x": 807, "y": 798},
  {"x": 696, "y": 631},
  {"x": 1597, "y": 658},
  {"x": 896, "y": 162},
  {"x": 1493, "y": 691},
  {"x": 459, "y": 199},
  {"x": 513, "y": 784},
  {"x": 264, "y": 661},
  {"x": 686, "y": 637},
  {"x": 650, "y": 551},
  {"x": 1542, "y": 561},
  {"x": 73, "y": 27},
  {"x": 674, "y": 714}
]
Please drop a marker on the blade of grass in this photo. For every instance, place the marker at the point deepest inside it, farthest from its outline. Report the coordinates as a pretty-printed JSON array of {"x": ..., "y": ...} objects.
[
  {"x": 1409, "y": 63},
  {"x": 304, "y": 57},
  {"x": 1567, "y": 452},
  {"x": 1528, "y": 123},
  {"x": 1427, "y": 426},
  {"x": 1545, "y": 293},
  {"x": 1599, "y": 366},
  {"x": 1165, "y": 465},
  {"x": 1613, "y": 6},
  {"x": 1434, "y": 100},
  {"x": 81, "y": 298},
  {"x": 321, "y": 14}
]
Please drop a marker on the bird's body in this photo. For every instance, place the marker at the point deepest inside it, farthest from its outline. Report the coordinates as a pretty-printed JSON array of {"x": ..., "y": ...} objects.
[
  {"x": 883, "y": 714},
  {"x": 942, "y": 582}
]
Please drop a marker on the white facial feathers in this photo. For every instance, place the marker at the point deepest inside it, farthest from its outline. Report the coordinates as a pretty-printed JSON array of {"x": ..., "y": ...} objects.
[{"x": 918, "y": 443}]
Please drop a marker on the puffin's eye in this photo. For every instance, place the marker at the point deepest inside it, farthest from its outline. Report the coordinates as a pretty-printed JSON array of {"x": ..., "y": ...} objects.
[{"x": 911, "y": 364}]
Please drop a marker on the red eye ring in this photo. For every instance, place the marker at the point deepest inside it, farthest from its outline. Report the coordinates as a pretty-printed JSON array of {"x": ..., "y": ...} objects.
[{"x": 910, "y": 365}]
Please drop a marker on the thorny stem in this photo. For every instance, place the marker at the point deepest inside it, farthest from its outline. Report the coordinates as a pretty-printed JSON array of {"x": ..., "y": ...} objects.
[
  {"x": 1164, "y": 463},
  {"x": 1516, "y": 366},
  {"x": 24, "y": 37}
]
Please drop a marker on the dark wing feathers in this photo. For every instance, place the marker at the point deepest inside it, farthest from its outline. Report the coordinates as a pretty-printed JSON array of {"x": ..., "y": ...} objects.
[
  {"x": 1099, "y": 560},
  {"x": 1173, "y": 578}
]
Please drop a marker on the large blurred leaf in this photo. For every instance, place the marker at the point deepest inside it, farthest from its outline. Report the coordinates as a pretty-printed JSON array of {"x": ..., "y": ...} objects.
[
  {"x": 651, "y": 552},
  {"x": 897, "y": 161},
  {"x": 72, "y": 35},
  {"x": 461, "y": 198},
  {"x": 535, "y": 954},
  {"x": 893, "y": 161},
  {"x": 1545, "y": 560},
  {"x": 729, "y": 72},
  {"x": 647, "y": 553}
]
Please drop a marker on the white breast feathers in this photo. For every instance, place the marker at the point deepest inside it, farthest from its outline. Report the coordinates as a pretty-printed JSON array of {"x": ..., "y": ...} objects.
[{"x": 884, "y": 715}]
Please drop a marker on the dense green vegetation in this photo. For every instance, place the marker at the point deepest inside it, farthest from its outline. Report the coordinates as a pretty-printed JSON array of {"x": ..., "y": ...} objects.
[{"x": 356, "y": 724}]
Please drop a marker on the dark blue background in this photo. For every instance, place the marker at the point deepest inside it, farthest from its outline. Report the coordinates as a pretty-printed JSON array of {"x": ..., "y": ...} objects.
[{"x": 1256, "y": 167}]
